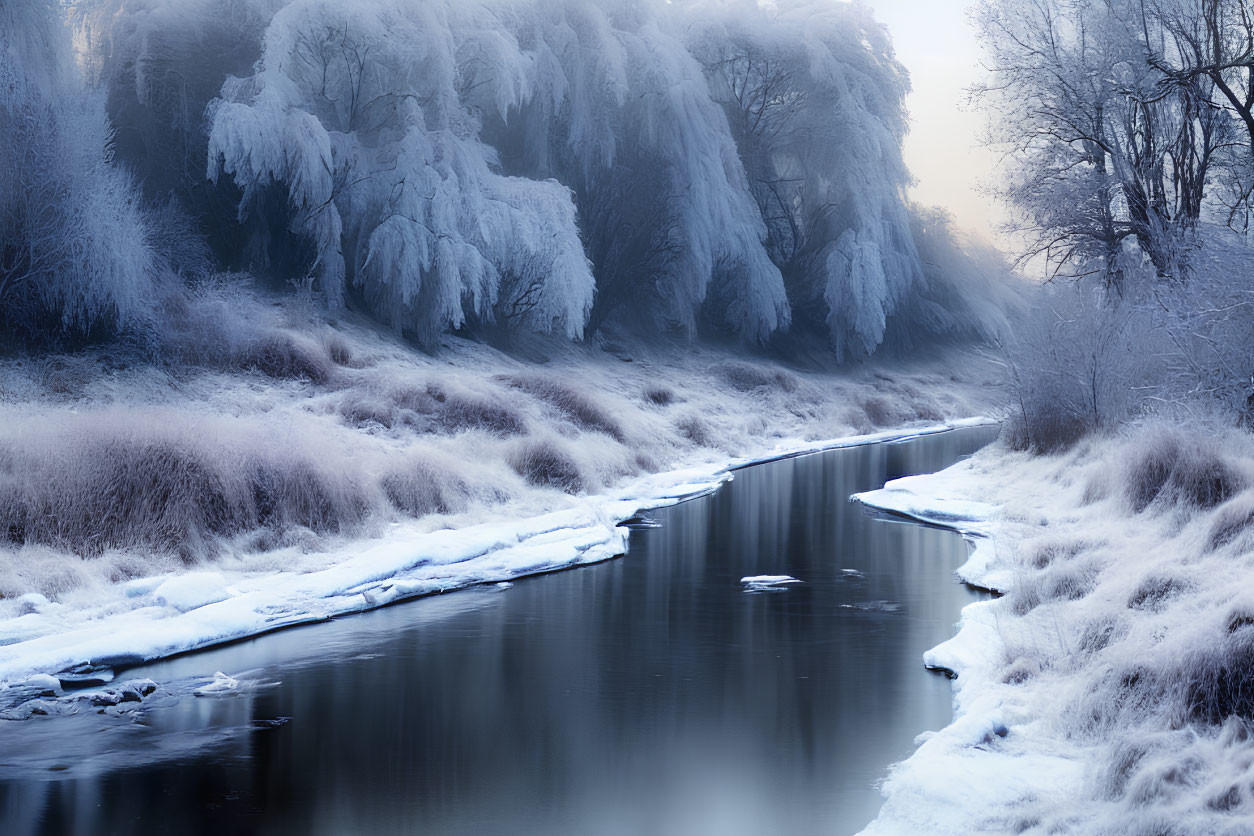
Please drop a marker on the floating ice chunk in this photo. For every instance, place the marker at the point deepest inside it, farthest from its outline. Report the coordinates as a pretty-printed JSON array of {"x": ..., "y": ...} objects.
[
  {"x": 220, "y": 684},
  {"x": 504, "y": 585},
  {"x": 852, "y": 573},
  {"x": 640, "y": 521},
  {"x": 85, "y": 675},
  {"x": 39, "y": 685},
  {"x": 192, "y": 591},
  {"x": 756, "y": 582}
]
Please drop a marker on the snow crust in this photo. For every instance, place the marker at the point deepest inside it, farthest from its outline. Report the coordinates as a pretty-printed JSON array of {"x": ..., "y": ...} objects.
[
  {"x": 150, "y": 618},
  {"x": 964, "y": 778},
  {"x": 1108, "y": 690}
]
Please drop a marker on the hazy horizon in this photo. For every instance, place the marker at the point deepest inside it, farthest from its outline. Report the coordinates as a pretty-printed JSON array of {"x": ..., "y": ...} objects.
[{"x": 937, "y": 44}]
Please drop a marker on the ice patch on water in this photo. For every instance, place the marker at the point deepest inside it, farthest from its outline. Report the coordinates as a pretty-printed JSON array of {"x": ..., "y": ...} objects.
[
  {"x": 763, "y": 583},
  {"x": 220, "y": 684}
]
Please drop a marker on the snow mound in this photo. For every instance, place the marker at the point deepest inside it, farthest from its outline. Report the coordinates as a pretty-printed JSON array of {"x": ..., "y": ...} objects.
[{"x": 192, "y": 591}]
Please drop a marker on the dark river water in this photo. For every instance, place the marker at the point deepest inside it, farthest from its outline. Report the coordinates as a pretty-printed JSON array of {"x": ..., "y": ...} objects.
[{"x": 647, "y": 695}]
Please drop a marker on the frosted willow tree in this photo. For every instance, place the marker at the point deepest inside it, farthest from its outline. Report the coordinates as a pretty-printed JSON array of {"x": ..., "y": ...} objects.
[
  {"x": 815, "y": 100},
  {"x": 617, "y": 109},
  {"x": 162, "y": 62},
  {"x": 74, "y": 253},
  {"x": 358, "y": 115}
]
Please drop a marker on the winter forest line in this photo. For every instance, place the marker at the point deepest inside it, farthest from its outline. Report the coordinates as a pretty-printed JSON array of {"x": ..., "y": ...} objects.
[{"x": 554, "y": 166}]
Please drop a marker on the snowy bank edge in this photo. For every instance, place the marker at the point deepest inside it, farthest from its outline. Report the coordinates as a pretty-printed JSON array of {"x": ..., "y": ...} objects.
[
  {"x": 166, "y": 616},
  {"x": 987, "y": 757}
]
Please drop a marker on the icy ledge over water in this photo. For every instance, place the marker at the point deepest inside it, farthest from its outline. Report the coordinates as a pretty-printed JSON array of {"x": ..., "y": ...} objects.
[
  {"x": 151, "y": 618},
  {"x": 993, "y": 754}
]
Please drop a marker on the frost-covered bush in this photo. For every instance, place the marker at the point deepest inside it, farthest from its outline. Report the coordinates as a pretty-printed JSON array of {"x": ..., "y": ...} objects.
[
  {"x": 102, "y": 482},
  {"x": 575, "y": 405},
  {"x": 75, "y": 259},
  {"x": 546, "y": 464},
  {"x": 420, "y": 486},
  {"x": 1232, "y": 521},
  {"x": 221, "y": 324},
  {"x": 1178, "y": 470},
  {"x": 285, "y": 355},
  {"x": 695, "y": 429},
  {"x": 659, "y": 395},
  {"x": 746, "y": 377},
  {"x": 1080, "y": 363}
]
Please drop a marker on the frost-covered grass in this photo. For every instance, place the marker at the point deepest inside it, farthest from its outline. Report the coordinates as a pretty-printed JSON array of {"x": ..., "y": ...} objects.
[
  {"x": 1119, "y": 665},
  {"x": 262, "y": 436}
]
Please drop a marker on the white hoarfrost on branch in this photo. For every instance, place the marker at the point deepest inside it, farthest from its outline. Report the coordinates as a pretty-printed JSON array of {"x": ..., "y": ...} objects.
[{"x": 355, "y": 112}]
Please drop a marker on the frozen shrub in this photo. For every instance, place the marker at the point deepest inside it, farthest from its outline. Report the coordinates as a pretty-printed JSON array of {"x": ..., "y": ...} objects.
[
  {"x": 294, "y": 492},
  {"x": 1231, "y": 521},
  {"x": 284, "y": 355},
  {"x": 40, "y": 569},
  {"x": 1218, "y": 679},
  {"x": 746, "y": 377},
  {"x": 546, "y": 464},
  {"x": 1079, "y": 363},
  {"x": 362, "y": 412},
  {"x": 1043, "y": 430},
  {"x": 1025, "y": 597},
  {"x": 1070, "y": 582},
  {"x": 76, "y": 260},
  {"x": 1240, "y": 619},
  {"x": 1047, "y": 553},
  {"x": 419, "y": 487},
  {"x": 1064, "y": 582},
  {"x": 1020, "y": 671},
  {"x": 1100, "y": 632},
  {"x": 338, "y": 349},
  {"x": 659, "y": 395},
  {"x": 695, "y": 429},
  {"x": 1155, "y": 591},
  {"x": 1123, "y": 764},
  {"x": 879, "y": 412},
  {"x": 106, "y": 482},
  {"x": 461, "y": 411},
  {"x": 575, "y": 405},
  {"x": 1167, "y": 466}
]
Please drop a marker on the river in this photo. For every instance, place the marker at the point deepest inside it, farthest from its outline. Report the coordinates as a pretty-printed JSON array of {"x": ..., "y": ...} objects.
[{"x": 652, "y": 694}]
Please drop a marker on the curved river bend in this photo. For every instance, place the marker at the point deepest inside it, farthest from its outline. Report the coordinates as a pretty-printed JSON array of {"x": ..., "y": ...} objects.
[{"x": 647, "y": 695}]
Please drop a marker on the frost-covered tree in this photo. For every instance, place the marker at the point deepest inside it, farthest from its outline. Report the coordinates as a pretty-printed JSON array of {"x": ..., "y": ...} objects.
[
  {"x": 617, "y": 108},
  {"x": 815, "y": 98},
  {"x": 356, "y": 115},
  {"x": 74, "y": 252},
  {"x": 161, "y": 63},
  {"x": 1109, "y": 164}
]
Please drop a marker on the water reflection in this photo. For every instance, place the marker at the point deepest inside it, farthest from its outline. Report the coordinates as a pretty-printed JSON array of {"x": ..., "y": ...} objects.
[{"x": 648, "y": 695}]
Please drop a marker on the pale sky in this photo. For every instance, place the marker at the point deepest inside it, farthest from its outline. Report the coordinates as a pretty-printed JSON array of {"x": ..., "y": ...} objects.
[{"x": 936, "y": 42}]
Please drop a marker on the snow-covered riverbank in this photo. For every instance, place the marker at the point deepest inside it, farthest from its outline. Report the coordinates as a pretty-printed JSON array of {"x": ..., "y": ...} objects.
[
  {"x": 315, "y": 470},
  {"x": 1110, "y": 690},
  {"x": 155, "y": 617}
]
